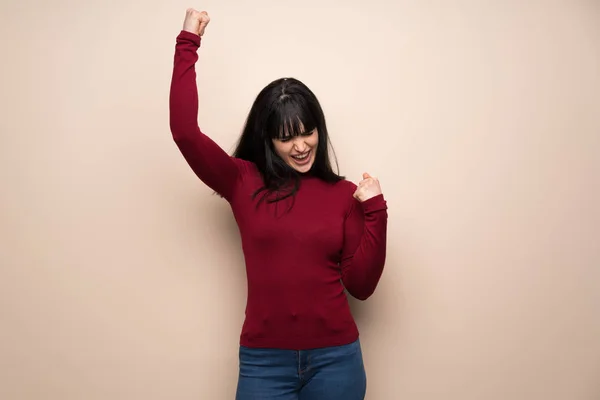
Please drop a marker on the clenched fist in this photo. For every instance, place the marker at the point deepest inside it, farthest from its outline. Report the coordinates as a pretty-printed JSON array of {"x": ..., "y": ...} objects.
[
  {"x": 195, "y": 22},
  {"x": 367, "y": 188}
]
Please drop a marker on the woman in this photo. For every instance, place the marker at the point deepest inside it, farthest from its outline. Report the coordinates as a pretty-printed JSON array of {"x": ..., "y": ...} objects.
[{"x": 307, "y": 234}]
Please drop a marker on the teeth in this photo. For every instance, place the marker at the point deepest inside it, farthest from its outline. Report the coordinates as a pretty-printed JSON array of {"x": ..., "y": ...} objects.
[{"x": 301, "y": 156}]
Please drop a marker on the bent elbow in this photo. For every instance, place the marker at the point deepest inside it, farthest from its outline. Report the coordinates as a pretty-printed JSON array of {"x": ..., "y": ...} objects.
[
  {"x": 186, "y": 143},
  {"x": 182, "y": 130},
  {"x": 179, "y": 133},
  {"x": 361, "y": 294},
  {"x": 363, "y": 297},
  {"x": 179, "y": 138},
  {"x": 362, "y": 286}
]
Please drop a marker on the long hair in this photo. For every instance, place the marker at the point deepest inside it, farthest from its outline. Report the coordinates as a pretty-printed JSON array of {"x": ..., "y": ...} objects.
[{"x": 285, "y": 107}]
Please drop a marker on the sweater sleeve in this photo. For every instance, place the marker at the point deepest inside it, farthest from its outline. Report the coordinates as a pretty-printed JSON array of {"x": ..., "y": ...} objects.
[
  {"x": 364, "y": 250},
  {"x": 209, "y": 162}
]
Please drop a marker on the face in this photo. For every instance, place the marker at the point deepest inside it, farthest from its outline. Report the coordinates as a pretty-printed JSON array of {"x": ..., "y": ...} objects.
[{"x": 299, "y": 151}]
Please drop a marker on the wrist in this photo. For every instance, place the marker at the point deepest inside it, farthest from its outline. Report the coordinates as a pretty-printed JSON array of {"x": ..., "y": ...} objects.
[
  {"x": 190, "y": 31},
  {"x": 375, "y": 203}
]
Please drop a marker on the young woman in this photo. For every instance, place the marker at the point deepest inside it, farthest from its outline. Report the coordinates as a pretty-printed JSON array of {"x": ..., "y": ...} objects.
[{"x": 308, "y": 235}]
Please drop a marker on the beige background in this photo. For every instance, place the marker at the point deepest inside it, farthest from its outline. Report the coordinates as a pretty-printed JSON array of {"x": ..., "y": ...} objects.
[{"x": 122, "y": 277}]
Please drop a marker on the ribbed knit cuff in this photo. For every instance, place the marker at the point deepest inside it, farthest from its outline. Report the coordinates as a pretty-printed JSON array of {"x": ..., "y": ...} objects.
[
  {"x": 374, "y": 204},
  {"x": 189, "y": 37}
]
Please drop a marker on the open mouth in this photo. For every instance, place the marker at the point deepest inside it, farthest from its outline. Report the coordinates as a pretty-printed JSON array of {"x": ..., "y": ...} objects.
[{"x": 302, "y": 158}]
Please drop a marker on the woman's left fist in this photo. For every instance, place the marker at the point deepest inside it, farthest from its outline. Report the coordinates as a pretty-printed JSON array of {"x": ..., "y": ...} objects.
[{"x": 367, "y": 188}]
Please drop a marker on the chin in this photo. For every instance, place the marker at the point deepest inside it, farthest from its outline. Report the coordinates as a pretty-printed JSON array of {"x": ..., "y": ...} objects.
[{"x": 304, "y": 169}]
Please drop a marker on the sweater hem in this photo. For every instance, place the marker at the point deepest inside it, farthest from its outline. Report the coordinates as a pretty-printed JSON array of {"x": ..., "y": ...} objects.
[{"x": 300, "y": 343}]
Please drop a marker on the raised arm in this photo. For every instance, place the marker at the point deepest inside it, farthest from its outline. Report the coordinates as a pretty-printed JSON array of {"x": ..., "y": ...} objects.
[
  {"x": 365, "y": 234},
  {"x": 209, "y": 162}
]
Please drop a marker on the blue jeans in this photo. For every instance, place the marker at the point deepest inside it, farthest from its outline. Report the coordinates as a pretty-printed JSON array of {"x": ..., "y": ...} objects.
[{"x": 331, "y": 373}]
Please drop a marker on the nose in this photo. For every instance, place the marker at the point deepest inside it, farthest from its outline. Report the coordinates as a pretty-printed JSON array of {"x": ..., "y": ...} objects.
[{"x": 300, "y": 145}]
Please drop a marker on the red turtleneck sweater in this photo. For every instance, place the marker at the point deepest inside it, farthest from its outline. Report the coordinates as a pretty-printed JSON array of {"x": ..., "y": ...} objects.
[{"x": 298, "y": 262}]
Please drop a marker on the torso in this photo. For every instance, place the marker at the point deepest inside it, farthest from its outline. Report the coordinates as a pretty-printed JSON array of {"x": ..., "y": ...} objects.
[{"x": 295, "y": 296}]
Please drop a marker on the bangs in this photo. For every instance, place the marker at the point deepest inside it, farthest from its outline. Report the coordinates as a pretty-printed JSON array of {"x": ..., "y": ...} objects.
[{"x": 290, "y": 117}]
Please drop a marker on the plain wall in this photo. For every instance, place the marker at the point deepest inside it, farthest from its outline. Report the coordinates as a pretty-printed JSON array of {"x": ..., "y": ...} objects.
[{"x": 121, "y": 275}]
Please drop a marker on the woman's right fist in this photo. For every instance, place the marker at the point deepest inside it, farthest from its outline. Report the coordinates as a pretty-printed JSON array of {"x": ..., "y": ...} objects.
[{"x": 195, "y": 22}]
